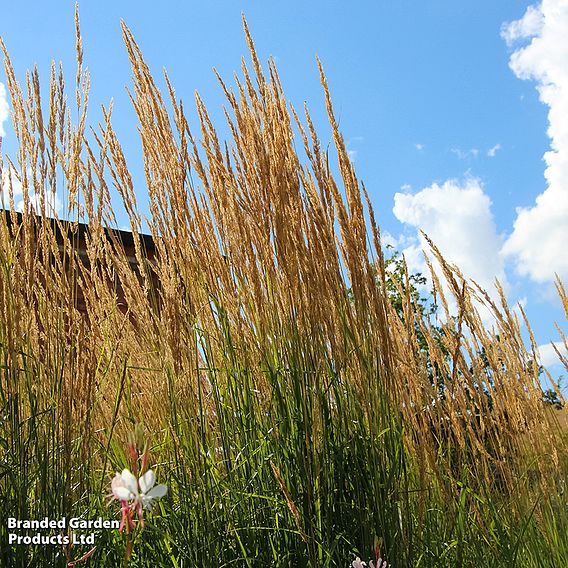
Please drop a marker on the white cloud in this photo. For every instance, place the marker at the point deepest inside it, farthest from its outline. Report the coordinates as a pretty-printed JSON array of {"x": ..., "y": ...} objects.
[
  {"x": 458, "y": 219},
  {"x": 548, "y": 356},
  {"x": 528, "y": 26},
  {"x": 399, "y": 243},
  {"x": 540, "y": 232},
  {"x": 492, "y": 151},
  {"x": 419, "y": 147},
  {"x": 4, "y": 109},
  {"x": 52, "y": 204},
  {"x": 465, "y": 154},
  {"x": 389, "y": 240}
]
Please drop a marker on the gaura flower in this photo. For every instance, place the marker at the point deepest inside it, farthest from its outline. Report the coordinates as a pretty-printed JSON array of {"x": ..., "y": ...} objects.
[
  {"x": 380, "y": 564},
  {"x": 135, "y": 495},
  {"x": 358, "y": 563},
  {"x": 147, "y": 490},
  {"x": 124, "y": 486}
]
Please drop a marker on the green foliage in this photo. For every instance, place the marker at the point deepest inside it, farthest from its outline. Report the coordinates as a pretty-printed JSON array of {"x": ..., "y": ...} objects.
[
  {"x": 307, "y": 480},
  {"x": 404, "y": 287},
  {"x": 401, "y": 285},
  {"x": 551, "y": 397}
]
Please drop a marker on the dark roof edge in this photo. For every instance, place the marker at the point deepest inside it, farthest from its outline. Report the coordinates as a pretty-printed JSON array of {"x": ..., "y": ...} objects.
[{"x": 126, "y": 237}]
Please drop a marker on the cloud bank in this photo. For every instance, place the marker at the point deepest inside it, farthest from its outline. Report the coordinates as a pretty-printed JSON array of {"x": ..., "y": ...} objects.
[
  {"x": 457, "y": 217},
  {"x": 538, "y": 241},
  {"x": 548, "y": 355}
]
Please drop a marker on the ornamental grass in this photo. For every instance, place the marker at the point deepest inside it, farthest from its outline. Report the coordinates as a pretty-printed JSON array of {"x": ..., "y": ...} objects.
[{"x": 294, "y": 411}]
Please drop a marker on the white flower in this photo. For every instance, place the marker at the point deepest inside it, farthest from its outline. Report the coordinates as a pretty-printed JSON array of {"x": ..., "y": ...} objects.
[
  {"x": 358, "y": 563},
  {"x": 142, "y": 492},
  {"x": 124, "y": 486},
  {"x": 147, "y": 490}
]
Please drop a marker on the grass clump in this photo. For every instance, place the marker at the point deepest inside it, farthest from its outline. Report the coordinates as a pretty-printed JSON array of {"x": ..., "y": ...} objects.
[{"x": 296, "y": 412}]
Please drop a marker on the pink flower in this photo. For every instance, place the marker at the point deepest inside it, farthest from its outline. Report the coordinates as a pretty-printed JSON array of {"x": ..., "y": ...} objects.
[{"x": 358, "y": 563}]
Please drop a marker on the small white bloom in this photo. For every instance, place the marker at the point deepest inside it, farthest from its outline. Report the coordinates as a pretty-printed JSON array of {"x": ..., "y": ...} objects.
[
  {"x": 358, "y": 563},
  {"x": 147, "y": 490},
  {"x": 124, "y": 486}
]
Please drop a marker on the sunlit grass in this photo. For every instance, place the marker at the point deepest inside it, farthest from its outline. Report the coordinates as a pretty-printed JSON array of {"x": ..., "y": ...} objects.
[{"x": 295, "y": 413}]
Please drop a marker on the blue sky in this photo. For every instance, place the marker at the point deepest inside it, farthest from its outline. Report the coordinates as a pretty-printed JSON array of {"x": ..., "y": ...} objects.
[{"x": 446, "y": 109}]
